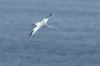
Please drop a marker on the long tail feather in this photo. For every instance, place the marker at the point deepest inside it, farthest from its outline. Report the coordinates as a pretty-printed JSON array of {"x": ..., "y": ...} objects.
[{"x": 55, "y": 28}]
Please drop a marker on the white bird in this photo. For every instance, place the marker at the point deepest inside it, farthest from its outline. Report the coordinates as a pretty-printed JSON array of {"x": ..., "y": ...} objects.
[{"x": 43, "y": 23}]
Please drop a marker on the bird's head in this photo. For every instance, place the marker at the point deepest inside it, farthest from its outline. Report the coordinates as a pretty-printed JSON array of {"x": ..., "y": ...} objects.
[{"x": 45, "y": 20}]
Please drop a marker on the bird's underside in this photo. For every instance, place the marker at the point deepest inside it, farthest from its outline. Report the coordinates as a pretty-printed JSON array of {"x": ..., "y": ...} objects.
[{"x": 43, "y": 23}]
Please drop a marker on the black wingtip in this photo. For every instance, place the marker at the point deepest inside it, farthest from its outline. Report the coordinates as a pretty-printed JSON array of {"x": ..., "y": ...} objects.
[
  {"x": 50, "y": 15},
  {"x": 31, "y": 33}
]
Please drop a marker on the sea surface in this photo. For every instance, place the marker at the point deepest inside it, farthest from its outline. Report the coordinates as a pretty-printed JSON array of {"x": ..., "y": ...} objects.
[{"x": 79, "y": 45}]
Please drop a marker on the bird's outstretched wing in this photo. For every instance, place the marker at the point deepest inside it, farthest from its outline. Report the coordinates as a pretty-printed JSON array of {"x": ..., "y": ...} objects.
[
  {"x": 49, "y": 15},
  {"x": 34, "y": 30}
]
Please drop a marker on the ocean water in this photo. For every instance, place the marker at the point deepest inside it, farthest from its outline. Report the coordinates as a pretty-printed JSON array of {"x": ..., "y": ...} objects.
[{"x": 79, "y": 45}]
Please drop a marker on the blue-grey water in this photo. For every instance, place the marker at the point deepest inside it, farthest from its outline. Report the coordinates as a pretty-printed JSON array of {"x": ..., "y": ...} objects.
[{"x": 78, "y": 46}]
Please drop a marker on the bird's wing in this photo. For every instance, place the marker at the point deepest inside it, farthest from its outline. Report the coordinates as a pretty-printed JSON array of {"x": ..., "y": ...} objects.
[
  {"x": 34, "y": 30},
  {"x": 54, "y": 28},
  {"x": 49, "y": 15}
]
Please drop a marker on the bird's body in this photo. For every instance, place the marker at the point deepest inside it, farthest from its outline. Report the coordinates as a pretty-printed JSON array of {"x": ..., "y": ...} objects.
[{"x": 43, "y": 23}]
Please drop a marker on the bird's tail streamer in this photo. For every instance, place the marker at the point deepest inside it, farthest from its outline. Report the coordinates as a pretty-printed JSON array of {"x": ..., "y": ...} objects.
[{"x": 55, "y": 28}]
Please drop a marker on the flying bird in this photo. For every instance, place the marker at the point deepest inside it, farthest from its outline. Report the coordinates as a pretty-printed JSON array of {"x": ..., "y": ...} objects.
[{"x": 43, "y": 23}]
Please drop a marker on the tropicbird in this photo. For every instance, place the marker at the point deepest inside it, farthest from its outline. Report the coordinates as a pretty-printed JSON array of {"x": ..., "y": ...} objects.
[{"x": 43, "y": 23}]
